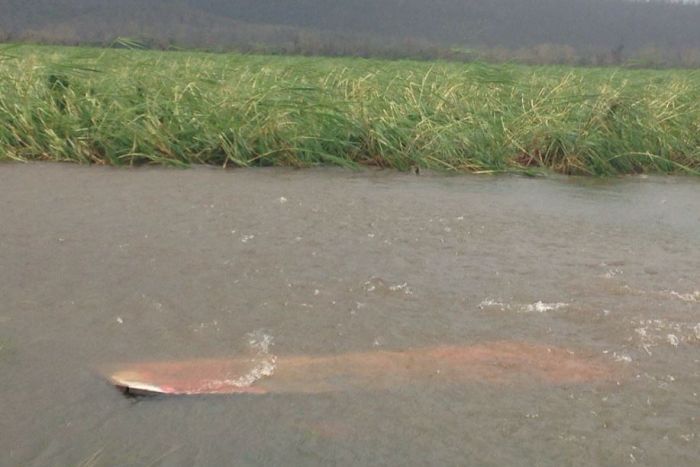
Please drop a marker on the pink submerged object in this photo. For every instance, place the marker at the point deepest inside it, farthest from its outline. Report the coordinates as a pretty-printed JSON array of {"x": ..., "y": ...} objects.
[{"x": 490, "y": 362}]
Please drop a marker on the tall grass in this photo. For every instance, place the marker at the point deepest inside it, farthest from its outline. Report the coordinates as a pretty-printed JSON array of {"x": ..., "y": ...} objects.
[{"x": 135, "y": 107}]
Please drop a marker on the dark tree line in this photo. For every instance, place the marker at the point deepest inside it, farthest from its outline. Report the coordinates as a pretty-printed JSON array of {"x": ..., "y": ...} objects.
[{"x": 538, "y": 31}]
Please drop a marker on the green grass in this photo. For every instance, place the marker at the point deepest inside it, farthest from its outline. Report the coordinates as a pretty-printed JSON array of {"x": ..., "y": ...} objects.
[{"x": 125, "y": 107}]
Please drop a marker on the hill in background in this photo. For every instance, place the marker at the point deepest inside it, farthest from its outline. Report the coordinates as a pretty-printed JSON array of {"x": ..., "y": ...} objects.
[{"x": 540, "y": 31}]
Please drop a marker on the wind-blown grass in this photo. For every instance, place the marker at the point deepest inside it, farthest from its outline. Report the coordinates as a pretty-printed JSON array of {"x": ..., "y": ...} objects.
[{"x": 134, "y": 107}]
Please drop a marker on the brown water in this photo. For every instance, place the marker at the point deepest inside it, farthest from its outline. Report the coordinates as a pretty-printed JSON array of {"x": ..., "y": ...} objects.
[{"x": 100, "y": 266}]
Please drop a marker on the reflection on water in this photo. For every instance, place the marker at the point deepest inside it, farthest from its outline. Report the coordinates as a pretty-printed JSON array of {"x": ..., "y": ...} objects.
[
  {"x": 503, "y": 362},
  {"x": 100, "y": 266}
]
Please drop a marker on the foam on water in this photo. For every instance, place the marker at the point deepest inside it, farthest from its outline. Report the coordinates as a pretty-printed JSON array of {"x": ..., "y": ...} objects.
[
  {"x": 491, "y": 303},
  {"x": 376, "y": 284},
  {"x": 612, "y": 273},
  {"x": 406, "y": 289},
  {"x": 537, "y": 307},
  {"x": 655, "y": 332},
  {"x": 686, "y": 297},
  {"x": 622, "y": 357},
  {"x": 264, "y": 362},
  {"x": 541, "y": 307}
]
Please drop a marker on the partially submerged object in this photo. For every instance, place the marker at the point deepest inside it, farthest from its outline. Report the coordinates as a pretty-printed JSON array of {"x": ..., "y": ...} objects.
[{"x": 491, "y": 362}]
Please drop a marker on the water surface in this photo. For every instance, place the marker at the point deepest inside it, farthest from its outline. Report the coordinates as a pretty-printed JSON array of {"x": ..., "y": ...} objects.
[{"x": 102, "y": 265}]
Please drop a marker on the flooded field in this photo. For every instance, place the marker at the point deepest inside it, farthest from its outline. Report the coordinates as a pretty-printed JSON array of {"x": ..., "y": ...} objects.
[{"x": 104, "y": 266}]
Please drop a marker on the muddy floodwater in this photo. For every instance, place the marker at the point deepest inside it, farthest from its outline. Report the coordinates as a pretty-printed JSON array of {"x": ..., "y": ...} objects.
[{"x": 108, "y": 266}]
